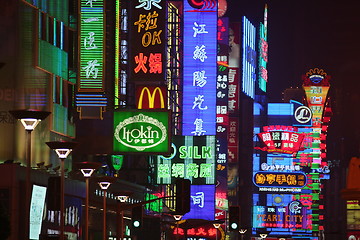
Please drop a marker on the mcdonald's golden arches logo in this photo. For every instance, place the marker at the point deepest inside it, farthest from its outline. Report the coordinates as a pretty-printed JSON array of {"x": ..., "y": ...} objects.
[{"x": 150, "y": 97}]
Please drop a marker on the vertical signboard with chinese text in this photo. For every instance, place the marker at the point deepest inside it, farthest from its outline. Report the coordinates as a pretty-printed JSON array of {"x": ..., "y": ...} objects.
[
  {"x": 199, "y": 65},
  {"x": 91, "y": 58},
  {"x": 147, "y": 34}
]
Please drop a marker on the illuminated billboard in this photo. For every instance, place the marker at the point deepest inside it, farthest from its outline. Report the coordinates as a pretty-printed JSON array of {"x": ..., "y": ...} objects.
[
  {"x": 263, "y": 53},
  {"x": 37, "y": 206},
  {"x": 249, "y": 58},
  {"x": 202, "y": 203},
  {"x": 192, "y": 157},
  {"x": 147, "y": 33},
  {"x": 199, "y": 67},
  {"x": 148, "y": 97},
  {"x": 281, "y": 141},
  {"x": 292, "y": 216},
  {"x": 280, "y": 179},
  {"x": 316, "y": 86},
  {"x": 91, "y": 46},
  {"x": 141, "y": 131}
]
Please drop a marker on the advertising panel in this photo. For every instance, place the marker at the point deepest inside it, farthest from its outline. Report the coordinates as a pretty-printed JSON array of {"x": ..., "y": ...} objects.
[
  {"x": 37, "y": 210},
  {"x": 280, "y": 179},
  {"x": 263, "y": 53},
  {"x": 199, "y": 66},
  {"x": 191, "y": 158},
  {"x": 141, "y": 131},
  {"x": 316, "y": 86},
  {"x": 281, "y": 141},
  {"x": 148, "y": 97},
  {"x": 147, "y": 33},
  {"x": 292, "y": 216}
]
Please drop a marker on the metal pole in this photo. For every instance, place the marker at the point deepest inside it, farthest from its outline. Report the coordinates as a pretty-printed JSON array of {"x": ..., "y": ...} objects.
[
  {"x": 28, "y": 183},
  {"x": 104, "y": 216},
  {"x": 62, "y": 198},
  {"x": 87, "y": 209},
  {"x": 120, "y": 222}
]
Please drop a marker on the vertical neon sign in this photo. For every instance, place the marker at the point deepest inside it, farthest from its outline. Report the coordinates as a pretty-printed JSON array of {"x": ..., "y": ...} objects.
[
  {"x": 199, "y": 86},
  {"x": 249, "y": 58},
  {"x": 147, "y": 31},
  {"x": 263, "y": 53},
  {"x": 91, "y": 46}
]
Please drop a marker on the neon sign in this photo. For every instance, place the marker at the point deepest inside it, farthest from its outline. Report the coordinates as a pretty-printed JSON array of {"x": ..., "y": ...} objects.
[
  {"x": 263, "y": 56},
  {"x": 199, "y": 86},
  {"x": 146, "y": 52},
  {"x": 281, "y": 141},
  {"x": 249, "y": 58},
  {"x": 141, "y": 131},
  {"x": 280, "y": 179},
  {"x": 192, "y": 158},
  {"x": 149, "y": 97},
  {"x": 91, "y": 46}
]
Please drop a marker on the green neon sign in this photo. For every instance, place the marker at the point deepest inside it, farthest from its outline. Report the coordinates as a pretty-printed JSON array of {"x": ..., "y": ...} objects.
[
  {"x": 91, "y": 44},
  {"x": 141, "y": 132}
]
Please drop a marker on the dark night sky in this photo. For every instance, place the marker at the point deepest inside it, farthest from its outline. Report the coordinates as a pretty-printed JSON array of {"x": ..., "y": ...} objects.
[{"x": 314, "y": 33}]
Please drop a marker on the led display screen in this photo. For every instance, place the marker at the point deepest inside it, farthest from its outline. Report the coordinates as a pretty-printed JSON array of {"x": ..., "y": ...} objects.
[
  {"x": 199, "y": 65},
  {"x": 141, "y": 131},
  {"x": 191, "y": 158}
]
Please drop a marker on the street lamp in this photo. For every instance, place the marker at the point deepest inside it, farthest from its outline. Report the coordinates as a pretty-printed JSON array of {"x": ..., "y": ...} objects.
[
  {"x": 29, "y": 118},
  {"x": 263, "y": 235},
  {"x": 121, "y": 198},
  {"x": 177, "y": 218},
  {"x": 87, "y": 169},
  {"x": 242, "y": 231},
  {"x": 62, "y": 149},
  {"x": 104, "y": 183},
  {"x": 216, "y": 225}
]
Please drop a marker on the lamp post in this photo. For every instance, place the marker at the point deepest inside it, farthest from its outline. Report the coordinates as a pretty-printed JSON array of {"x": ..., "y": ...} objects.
[
  {"x": 242, "y": 231},
  {"x": 87, "y": 169},
  {"x": 104, "y": 183},
  {"x": 263, "y": 235},
  {"x": 216, "y": 225},
  {"x": 29, "y": 118},
  {"x": 177, "y": 218},
  {"x": 63, "y": 150},
  {"x": 121, "y": 197}
]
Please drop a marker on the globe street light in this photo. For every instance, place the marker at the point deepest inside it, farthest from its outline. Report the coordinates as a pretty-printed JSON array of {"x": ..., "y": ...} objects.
[
  {"x": 121, "y": 198},
  {"x": 87, "y": 169},
  {"x": 62, "y": 149},
  {"x": 104, "y": 183},
  {"x": 29, "y": 118}
]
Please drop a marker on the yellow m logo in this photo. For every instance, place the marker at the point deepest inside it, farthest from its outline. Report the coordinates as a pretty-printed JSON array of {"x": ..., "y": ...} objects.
[{"x": 151, "y": 97}]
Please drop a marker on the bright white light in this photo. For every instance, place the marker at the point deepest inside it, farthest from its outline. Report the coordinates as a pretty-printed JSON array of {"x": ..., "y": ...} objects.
[
  {"x": 87, "y": 172},
  {"x": 63, "y": 152},
  {"x": 104, "y": 185},
  {"x": 29, "y": 123},
  {"x": 122, "y": 198}
]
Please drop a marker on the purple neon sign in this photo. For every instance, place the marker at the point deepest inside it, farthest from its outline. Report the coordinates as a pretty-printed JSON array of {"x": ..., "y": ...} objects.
[{"x": 199, "y": 85}]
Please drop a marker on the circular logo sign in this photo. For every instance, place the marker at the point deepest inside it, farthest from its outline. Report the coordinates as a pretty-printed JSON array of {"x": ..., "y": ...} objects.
[{"x": 303, "y": 114}]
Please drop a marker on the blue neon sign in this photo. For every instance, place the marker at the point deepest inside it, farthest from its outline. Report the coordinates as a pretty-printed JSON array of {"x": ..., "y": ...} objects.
[
  {"x": 249, "y": 58},
  {"x": 199, "y": 85}
]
